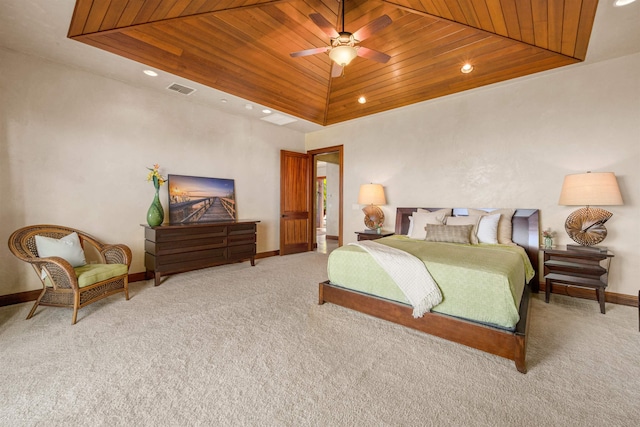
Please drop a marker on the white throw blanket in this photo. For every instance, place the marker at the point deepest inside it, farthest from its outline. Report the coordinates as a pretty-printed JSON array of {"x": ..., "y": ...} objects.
[{"x": 408, "y": 272}]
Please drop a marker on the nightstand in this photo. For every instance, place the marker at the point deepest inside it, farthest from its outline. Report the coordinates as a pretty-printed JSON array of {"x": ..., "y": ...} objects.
[
  {"x": 577, "y": 267},
  {"x": 372, "y": 235}
]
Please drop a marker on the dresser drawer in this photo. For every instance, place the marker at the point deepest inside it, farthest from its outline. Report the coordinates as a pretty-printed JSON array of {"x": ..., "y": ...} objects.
[
  {"x": 176, "y": 234},
  {"x": 191, "y": 259},
  {"x": 178, "y": 246},
  {"x": 242, "y": 229},
  {"x": 241, "y": 251},
  {"x": 242, "y": 239}
]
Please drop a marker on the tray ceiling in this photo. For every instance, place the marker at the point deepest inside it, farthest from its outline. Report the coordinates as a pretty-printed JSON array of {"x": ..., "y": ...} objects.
[{"x": 242, "y": 46}]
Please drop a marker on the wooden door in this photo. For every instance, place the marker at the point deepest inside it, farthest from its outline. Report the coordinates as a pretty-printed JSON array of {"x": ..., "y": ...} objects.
[{"x": 295, "y": 192}]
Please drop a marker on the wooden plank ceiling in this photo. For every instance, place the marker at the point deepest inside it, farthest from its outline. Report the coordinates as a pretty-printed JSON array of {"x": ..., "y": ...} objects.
[{"x": 242, "y": 46}]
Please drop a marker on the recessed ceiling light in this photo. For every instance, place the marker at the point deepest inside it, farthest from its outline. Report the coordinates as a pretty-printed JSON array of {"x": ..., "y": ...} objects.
[
  {"x": 223, "y": 100},
  {"x": 150, "y": 73},
  {"x": 620, "y": 3},
  {"x": 248, "y": 107},
  {"x": 362, "y": 100},
  {"x": 466, "y": 68},
  {"x": 266, "y": 111}
]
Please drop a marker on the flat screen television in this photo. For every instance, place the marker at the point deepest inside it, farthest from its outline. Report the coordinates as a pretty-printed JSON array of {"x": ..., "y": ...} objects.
[{"x": 196, "y": 199}]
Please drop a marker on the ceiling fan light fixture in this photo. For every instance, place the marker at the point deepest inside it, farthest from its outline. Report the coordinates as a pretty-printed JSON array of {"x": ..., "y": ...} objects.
[{"x": 343, "y": 55}]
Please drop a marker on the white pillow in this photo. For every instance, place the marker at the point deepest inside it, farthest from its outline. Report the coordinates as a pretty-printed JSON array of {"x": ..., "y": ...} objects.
[
  {"x": 67, "y": 247},
  {"x": 505, "y": 228},
  {"x": 488, "y": 229},
  {"x": 423, "y": 217},
  {"x": 466, "y": 220},
  {"x": 411, "y": 220},
  {"x": 410, "y": 225}
]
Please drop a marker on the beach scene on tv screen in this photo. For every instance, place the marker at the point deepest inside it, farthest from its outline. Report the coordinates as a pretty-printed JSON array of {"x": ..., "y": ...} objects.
[{"x": 200, "y": 199}]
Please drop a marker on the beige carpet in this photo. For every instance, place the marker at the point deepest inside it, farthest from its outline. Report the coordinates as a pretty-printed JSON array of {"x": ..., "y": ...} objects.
[{"x": 237, "y": 345}]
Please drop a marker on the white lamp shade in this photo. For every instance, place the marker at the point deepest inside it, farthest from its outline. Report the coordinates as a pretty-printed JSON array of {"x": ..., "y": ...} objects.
[
  {"x": 343, "y": 55},
  {"x": 590, "y": 189},
  {"x": 371, "y": 194}
]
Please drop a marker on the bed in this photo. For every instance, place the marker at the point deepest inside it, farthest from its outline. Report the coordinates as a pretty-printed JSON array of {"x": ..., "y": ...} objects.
[{"x": 503, "y": 334}]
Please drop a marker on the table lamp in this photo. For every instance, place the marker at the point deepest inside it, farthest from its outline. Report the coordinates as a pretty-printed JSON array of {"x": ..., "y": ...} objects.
[
  {"x": 586, "y": 225},
  {"x": 372, "y": 195}
]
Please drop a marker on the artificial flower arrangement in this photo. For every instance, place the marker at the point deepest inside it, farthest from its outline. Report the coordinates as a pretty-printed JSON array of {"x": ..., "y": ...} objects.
[
  {"x": 154, "y": 175},
  {"x": 548, "y": 238}
]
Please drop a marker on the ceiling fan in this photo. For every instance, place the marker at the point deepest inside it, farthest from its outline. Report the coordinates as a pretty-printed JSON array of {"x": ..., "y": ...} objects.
[{"x": 345, "y": 45}]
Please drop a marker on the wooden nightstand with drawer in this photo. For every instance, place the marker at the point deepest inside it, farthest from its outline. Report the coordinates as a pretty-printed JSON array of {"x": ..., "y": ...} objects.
[
  {"x": 372, "y": 235},
  {"x": 585, "y": 268}
]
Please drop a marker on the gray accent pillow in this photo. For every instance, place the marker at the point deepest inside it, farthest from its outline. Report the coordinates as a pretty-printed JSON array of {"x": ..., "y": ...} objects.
[
  {"x": 449, "y": 233},
  {"x": 466, "y": 220}
]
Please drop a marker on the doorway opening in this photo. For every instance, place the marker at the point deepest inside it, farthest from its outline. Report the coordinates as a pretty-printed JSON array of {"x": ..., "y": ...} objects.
[{"x": 327, "y": 195}]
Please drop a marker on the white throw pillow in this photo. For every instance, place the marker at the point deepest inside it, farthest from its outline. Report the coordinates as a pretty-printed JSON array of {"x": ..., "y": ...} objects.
[
  {"x": 488, "y": 229},
  {"x": 420, "y": 220},
  {"x": 411, "y": 220},
  {"x": 505, "y": 228},
  {"x": 466, "y": 220},
  {"x": 67, "y": 247},
  {"x": 410, "y": 226}
]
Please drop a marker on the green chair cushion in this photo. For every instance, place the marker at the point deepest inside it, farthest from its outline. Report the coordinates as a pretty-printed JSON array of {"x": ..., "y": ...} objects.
[{"x": 89, "y": 274}]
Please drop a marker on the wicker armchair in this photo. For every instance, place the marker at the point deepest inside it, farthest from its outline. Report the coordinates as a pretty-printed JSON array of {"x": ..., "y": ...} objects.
[{"x": 65, "y": 286}]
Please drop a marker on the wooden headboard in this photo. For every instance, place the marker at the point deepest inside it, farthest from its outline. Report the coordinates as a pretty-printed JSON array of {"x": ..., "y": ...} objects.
[{"x": 526, "y": 232}]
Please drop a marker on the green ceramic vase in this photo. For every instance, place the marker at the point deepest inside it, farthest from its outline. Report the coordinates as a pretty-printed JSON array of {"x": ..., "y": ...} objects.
[{"x": 155, "y": 214}]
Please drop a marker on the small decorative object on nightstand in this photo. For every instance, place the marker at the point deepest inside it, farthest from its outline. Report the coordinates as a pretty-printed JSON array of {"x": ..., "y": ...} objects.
[
  {"x": 373, "y": 234},
  {"x": 547, "y": 236},
  {"x": 577, "y": 267}
]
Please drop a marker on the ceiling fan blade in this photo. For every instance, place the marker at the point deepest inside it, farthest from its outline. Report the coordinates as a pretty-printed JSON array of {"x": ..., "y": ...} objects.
[
  {"x": 372, "y": 27},
  {"x": 373, "y": 55},
  {"x": 324, "y": 25},
  {"x": 336, "y": 70},
  {"x": 308, "y": 52}
]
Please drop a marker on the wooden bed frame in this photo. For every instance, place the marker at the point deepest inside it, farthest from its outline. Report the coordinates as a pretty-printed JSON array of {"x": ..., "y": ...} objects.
[{"x": 508, "y": 344}]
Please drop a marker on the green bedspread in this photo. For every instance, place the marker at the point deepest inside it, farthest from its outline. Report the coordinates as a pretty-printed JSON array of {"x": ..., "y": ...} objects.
[{"x": 483, "y": 283}]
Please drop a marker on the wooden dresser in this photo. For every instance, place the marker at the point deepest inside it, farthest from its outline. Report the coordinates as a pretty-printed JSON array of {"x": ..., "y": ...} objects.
[{"x": 178, "y": 248}]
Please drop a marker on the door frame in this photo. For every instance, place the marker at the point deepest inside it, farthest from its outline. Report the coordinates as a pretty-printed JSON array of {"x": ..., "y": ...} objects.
[{"x": 312, "y": 209}]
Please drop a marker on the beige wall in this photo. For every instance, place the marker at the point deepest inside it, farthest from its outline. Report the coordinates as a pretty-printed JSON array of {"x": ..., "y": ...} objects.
[
  {"x": 74, "y": 148},
  {"x": 507, "y": 145}
]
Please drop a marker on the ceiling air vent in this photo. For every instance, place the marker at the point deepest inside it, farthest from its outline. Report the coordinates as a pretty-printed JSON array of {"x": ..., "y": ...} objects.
[
  {"x": 181, "y": 89},
  {"x": 278, "y": 119}
]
